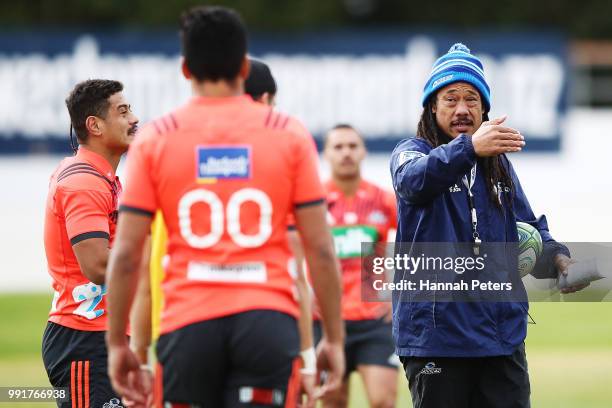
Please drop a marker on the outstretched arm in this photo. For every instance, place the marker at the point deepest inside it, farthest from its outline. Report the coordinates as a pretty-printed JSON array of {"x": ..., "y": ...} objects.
[{"x": 556, "y": 258}]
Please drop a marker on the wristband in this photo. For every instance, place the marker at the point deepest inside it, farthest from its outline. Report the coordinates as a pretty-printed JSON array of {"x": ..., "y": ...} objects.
[
  {"x": 309, "y": 358},
  {"x": 146, "y": 367}
]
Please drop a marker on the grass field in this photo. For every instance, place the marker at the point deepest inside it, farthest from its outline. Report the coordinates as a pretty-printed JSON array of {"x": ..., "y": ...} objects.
[{"x": 569, "y": 352}]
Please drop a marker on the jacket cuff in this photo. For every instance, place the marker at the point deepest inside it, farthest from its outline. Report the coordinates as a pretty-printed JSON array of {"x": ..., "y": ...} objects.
[
  {"x": 469, "y": 147},
  {"x": 556, "y": 248},
  {"x": 545, "y": 266}
]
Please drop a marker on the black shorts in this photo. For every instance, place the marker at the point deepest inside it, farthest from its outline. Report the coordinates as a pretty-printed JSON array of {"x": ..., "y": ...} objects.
[
  {"x": 77, "y": 360},
  {"x": 478, "y": 382},
  {"x": 368, "y": 342},
  {"x": 248, "y": 359}
]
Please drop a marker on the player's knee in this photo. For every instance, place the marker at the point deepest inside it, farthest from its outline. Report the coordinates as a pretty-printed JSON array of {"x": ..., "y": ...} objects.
[
  {"x": 384, "y": 399},
  {"x": 384, "y": 402}
]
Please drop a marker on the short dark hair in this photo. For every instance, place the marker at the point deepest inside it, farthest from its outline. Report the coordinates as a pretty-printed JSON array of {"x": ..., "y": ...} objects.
[
  {"x": 260, "y": 80},
  {"x": 90, "y": 98},
  {"x": 214, "y": 42},
  {"x": 342, "y": 126}
]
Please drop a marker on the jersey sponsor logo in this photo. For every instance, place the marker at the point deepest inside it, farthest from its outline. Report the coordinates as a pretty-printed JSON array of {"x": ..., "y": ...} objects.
[
  {"x": 408, "y": 155},
  {"x": 223, "y": 163},
  {"x": 430, "y": 368},
  {"x": 252, "y": 272},
  {"x": 348, "y": 239}
]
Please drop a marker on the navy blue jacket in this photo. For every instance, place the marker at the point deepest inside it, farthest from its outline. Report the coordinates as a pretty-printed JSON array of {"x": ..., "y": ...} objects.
[{"x": 433, "y": 206}]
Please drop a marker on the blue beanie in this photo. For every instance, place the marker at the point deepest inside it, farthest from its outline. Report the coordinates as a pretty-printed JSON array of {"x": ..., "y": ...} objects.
[{"x": 458, "y": 65}]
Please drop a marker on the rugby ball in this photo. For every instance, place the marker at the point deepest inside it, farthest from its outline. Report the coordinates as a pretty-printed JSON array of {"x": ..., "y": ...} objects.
[{"x": 529, "y": 247}]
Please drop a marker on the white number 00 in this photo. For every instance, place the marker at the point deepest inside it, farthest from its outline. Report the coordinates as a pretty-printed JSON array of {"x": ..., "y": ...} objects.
[{"x": 233, "y": 217}]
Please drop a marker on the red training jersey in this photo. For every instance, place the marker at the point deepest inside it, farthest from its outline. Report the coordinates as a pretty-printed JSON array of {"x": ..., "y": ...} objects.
[
  {"x": 366, "y": 217},
  {"x": 81, "y": 204},
  {"x": 225, "y": 173}
]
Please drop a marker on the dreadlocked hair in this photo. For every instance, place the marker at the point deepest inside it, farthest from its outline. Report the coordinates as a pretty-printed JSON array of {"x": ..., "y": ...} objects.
[{"x": 494, "y": 169}]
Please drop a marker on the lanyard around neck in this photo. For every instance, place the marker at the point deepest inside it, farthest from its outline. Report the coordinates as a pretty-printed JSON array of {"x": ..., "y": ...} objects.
[{"x": 469, "y": 184}]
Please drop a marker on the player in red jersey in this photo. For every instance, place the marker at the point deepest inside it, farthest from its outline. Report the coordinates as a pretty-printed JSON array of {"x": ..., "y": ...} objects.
[
  {"x": 359, "y": 211},
  {"x": 80, "y": 219},
  {"x": 261, "y": 86},
  {"x": 225, "y": 174}
]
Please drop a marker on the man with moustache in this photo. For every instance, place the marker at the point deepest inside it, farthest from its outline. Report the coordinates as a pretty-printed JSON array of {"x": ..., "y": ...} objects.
[
  {"x": 454, "y": 183},
  {"x": 80, "y": 222}
]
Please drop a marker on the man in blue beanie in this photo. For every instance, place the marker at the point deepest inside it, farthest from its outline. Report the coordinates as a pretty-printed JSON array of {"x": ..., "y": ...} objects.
[{"x": 454, "y": 184}]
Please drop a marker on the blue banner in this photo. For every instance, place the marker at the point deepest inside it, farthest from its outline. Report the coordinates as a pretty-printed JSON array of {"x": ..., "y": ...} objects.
[{"x": 371, "y": 79}]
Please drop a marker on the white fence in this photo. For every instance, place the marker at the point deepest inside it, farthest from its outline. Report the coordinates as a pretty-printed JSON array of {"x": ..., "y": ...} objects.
[{"x": 573, "y": 188}]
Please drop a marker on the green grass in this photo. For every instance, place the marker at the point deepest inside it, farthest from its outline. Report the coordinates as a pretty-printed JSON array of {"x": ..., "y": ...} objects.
[
  {"x": 569, "y": 352},
  {"x": 22, "y": 322},
  {"x": 25, "y": 372},
  {"x": 573, "y": 327}
]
